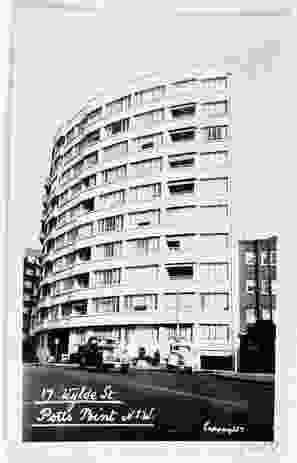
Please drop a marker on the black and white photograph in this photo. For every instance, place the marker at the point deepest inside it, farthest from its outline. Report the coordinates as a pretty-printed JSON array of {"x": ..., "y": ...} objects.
[{"x": 147, "y": 239}]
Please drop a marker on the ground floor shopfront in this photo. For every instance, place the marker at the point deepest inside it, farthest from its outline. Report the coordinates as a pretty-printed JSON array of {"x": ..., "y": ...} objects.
[{"x": 215, "y": 353}]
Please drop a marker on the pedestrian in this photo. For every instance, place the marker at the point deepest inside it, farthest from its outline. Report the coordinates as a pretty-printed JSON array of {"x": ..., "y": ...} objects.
[
  {"x": 42, "y": 355},
  {"x": 132, "y": 351}
]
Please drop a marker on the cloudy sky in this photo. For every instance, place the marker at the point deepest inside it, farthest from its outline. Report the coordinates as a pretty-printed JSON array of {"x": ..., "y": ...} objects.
[{"x": 62, "y": 57}]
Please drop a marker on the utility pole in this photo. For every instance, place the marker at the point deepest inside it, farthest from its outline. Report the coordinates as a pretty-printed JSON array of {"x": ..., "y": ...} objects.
[
  {"x": 177, "y": 310},
  {"x": 258, "y": 279},
  {"x": 269, "y": 276}
]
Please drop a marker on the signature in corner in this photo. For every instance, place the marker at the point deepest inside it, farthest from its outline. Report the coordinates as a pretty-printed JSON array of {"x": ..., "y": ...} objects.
[{"x": 208, "y": 426}]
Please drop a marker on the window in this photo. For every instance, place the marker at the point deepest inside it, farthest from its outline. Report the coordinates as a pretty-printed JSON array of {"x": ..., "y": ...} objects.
[
  {"x": 67, "y": 176},
  {"x": 117, "y": 127},
  {"x": 213, "y": 272},
  {"x": 180, "y": 272},
  {"x": 114, "y": 174},
  {"x": 89, "y": 182},
  {"x": 266, "y": 315},
  {"x": 214, "y": 302},
  {"x": 88, "y": 205},
  {"x": 91, "y": 159},
  {"x": 186, "y": 84},
  {"x": 266, "y": 287},
  {"x": 137, "y": 275},
  {"x": 75, "y": 190},
  {"x": 213, "y": 243},
  {"x": 180, "y": 302},
  {"x": 70, "y": 135},
  {"x": 84, "y": 254},
  {"x": 182, "y": 111},
  {"x": 145, "y": 193},
  {"x": 214, "y": 215},
  {"x": 63, "y": 218},
  {"x": 74, "y": 212},
  {"x": 93, "y": 116},
  {"x": 66, "y": 310},
  {"x": 60, "y": 241},
  {"x": 142, "y": 219},
  {"x": 107, "y": 304},
  {"x": 117, "y": 106},
  {"x": 181, "y": 160},
  {"x": 218, "y": 83},
  {"x": 214, "y": 332},
  {"x": 149, "y": 118},
  {"x": 116, "y": 150},
  {"x": 92, "y": 138},
  {"x": 109, "y": 250},
  {"x": 265, "y": 258},
  {"x": 67, "y": 284},
  {"x": 214, "y": 157},
  {"x": 143, "y": 247},
  {"x": 218, "y": 132},
  {"x": 28, "y": 284},
  {"x": 177, "y": 214},
  {"x": 70, "y": 259},
  {"x": 63, "y": 198},
  {"x": 83, "y": 280},
  {"x": 147, "y": 302},
  {"x": 69, "y": 155},
  {"x": 173, "y": 245},
  {"x": 77, "y": 169},
  {"x": 79, "y": 308},
  {"x": 110, "y": 224},
  {"x": 250, "y": 315},
  {"x": 146, "y": 96},
  {"x": 214, "y": 108},
  {"x": 113, "y": 199},
  {"x": 149, "y": 142},
  {"x": 183, "y": 134},
  {"x": 181, "y": 187},
  {"x": 213, "y": 186},
  {"x": 250, "y": 258},
  {"x": 180, "y": 243},
  {"x": 251, "y": 286},
  {"x": 148, "y": 167},
  {"x": 85, "y": 231},
  {"x": 106, "y": 278}
]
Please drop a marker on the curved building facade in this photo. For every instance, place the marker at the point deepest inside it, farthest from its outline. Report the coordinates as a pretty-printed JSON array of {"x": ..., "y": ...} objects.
[{"x": 136, "y": 226}]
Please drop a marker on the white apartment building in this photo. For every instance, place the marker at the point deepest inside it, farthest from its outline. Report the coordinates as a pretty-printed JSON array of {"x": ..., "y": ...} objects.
[{"x": 136, "y": 227}]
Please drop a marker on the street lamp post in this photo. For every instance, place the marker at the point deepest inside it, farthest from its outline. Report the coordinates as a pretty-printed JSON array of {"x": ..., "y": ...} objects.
[
  {"x": 57, "y": 340},
  {"x": 236, "y": 349},
  {"x": 177, "y": 309}
]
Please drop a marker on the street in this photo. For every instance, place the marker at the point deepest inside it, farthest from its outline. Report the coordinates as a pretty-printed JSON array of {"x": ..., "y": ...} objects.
[{"x": 148, "y": 405}]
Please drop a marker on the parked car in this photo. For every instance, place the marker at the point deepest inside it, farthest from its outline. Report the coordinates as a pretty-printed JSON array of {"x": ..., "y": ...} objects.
[
  {"x": 181, "y": 357},
  {"x": 74, "y": 356},
  {"x": 103, "y": 354}
]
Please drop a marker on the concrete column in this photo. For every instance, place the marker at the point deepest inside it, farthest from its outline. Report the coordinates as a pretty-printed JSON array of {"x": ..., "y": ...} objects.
[
  {"x": 91, "y": 307},
  {"x": 92, "y": 277},
  {"x": 74, "y": 339},
  {"x": 167, "y": 114},
  {"x": 163, "y": 342},
  {"x": 60, "y": 315}
]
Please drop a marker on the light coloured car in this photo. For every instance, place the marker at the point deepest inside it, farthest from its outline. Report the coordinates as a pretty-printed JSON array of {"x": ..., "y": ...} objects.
[{"x": 181, "y": 357}]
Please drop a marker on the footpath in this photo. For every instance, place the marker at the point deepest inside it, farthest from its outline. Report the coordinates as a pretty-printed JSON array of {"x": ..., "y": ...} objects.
[{"x": 226, "y": 374}]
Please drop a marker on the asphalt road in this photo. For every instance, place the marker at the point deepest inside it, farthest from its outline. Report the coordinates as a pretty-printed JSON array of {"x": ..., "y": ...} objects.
[{"x": 143, "y": 405}]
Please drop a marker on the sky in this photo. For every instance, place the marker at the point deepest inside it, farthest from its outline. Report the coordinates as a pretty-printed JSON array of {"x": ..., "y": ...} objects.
[{"x": 62, "y": 58}]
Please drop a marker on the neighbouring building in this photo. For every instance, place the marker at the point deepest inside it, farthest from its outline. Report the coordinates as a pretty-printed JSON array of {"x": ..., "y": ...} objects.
[
  {"x": 31, "y": 280},
  {"x": 136, "y": 227},
  {"x": 257, "y": 302},
  {"x": 257, "y": 280}
]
